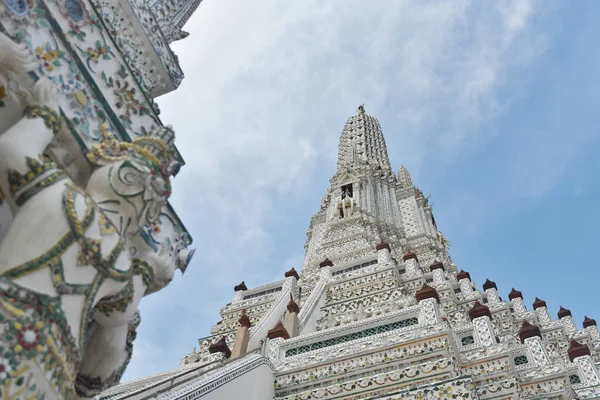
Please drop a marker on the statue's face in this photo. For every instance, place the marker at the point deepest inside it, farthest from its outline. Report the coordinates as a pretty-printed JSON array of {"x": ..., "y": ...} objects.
[
  {"x": 156, "y": 193},
  {"x": 162, "y": 263},
  {"x": 136, "y": 191}
]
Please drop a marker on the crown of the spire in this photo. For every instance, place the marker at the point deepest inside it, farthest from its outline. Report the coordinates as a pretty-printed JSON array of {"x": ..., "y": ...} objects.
[{"x": 362, "y": 143}]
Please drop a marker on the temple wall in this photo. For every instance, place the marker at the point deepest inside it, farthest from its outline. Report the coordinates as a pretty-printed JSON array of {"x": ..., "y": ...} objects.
[{"x": 256, "y": 384}]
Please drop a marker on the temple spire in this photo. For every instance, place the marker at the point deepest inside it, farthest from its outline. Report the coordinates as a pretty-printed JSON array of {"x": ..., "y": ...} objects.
[
  {"x": 172, "y": 15},
  {"x": 404, "y": 177},
  {"x": 362, "y": 143}
]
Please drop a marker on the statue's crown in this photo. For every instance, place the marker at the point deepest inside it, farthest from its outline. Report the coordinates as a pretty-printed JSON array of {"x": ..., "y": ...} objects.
[
  {"x": 157, "y": 145},
  {"x": 160, "y": 142}
]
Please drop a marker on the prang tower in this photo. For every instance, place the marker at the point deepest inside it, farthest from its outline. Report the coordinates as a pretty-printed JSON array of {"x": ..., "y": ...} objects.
[{"x": 380, "y": 311}]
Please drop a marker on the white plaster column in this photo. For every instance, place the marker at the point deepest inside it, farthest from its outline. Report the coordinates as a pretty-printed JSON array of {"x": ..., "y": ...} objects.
[
  {"x": 483, "y": 330},
  {"x": 291, "y": 318},
  {"x": 242, "y": 336},
  {"x": 428, "y": 300},
  {"x": 437, "y": 270},
  {"x": 567, "y": 321},
  {"x": 531, "y": 336},
  {"x": 491, "y": 290},
  {"x": 516, "y": 299},
  {"x": 537, "y": 351},
  {"x": 325, "y": 269},
  {"x": 384, "y": 256},
  {"x": 541, "y": 311},
  {"x": 580, "y": 355},
  {"x": 370, "y": 201},
  {"x": 394, "y": 205},
  {"x": 411, "y": 263},
  {"x": 273, "y": 350},
  {"x": 239, "y": 292},
  {"x": 464, "y": 282}
]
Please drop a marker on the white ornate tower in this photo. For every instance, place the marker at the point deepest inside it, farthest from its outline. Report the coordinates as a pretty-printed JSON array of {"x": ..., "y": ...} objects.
[
  {"x": 380, "y": 311},
  {"x": 172, "y": 16}
]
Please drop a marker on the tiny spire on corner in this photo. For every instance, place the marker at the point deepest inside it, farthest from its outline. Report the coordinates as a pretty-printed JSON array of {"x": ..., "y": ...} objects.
[{"x": 361, "y": 109}]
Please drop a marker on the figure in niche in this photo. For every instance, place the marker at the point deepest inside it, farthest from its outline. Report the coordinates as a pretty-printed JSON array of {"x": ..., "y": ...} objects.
[
  {"x": 345, "y": 206},
  {"x": 347, "y": 191}
]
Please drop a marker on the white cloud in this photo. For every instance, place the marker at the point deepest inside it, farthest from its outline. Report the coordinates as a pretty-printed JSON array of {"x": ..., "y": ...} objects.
[{"x": 268, "y": 87}]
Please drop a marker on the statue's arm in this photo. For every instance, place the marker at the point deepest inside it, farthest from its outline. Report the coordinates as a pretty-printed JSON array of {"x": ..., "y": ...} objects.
[{"x": 107, "y": 355}]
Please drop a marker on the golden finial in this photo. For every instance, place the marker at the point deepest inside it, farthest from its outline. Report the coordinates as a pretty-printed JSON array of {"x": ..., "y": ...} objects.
[{"x": 361, "y": 109}]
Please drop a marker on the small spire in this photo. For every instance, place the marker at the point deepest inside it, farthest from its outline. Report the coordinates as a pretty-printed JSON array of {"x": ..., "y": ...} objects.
[
  {"x": 278, "y": 331},
  {"x": 326, "y": 263},
  {"x": 577, "y": 350},
  {"x": 292, "y": 273},
  {"x": 479, "y": 310},
  {"x": 538, "y": 303},
  {"x": 436, "y": 265},
  {"x": 515, "y": 294},
  {"x": 489, "y": 285},
  {"x": 244, "y": 320},
  {"x": 241, "y": 286},
  {"x": 361, "y": 109},
  {"x": 462, "y": 275},
  {"x": 564, "y": 312},
  {"x": 527, "y": 331},
  {"x": 427, "y": 292},
  {"x": 382, "y": 245},
  {"x": 408, "y": 255}
]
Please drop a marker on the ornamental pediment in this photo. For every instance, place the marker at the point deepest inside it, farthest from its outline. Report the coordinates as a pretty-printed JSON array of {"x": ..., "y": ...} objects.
[{"x": 348, "y": 175}]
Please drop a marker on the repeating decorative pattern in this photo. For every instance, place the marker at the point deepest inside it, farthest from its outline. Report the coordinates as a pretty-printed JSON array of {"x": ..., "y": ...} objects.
[
  {"x": 537, "y": 351},
  {"x": 492, "y": 295},
  {"x": 353, "y": 336},
  {"x": 587, "y": 370},
  {"x": 160, "y": 44},
  {"x": 130, "y": 43},
  {"x": 430, "y": 313},
  {"x": 357, "y": 347},
  {"x": 484, "y": 331},
  {"x": 543, "y": 316},
  {"x": 354, "y": 268},
  {"x": 519, "y": 306},
  {"x": 376, "y": 304},
  {"x": 389, "y": 355},
  {"x": 371, "y": 383},
  {"x": 263, "y": 293}
]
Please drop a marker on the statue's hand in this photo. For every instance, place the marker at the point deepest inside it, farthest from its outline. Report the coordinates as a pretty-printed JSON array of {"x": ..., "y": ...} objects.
[
  {"x": 44, "y": 93},
  {"x": 15, "y": 57}
]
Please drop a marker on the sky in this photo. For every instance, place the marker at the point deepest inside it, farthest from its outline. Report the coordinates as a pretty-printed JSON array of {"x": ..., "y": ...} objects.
[{"x": 492, "y": 106}]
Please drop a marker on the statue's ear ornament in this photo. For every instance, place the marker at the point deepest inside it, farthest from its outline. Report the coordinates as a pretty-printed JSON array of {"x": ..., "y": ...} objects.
[{"x": 183, "y": 259}]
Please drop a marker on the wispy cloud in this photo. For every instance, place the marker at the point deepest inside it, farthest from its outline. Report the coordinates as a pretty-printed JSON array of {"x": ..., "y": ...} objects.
[{"x": 269, "y": 85}]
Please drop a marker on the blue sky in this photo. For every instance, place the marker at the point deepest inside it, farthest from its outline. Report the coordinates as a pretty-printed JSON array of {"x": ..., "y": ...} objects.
[{"x": 492, "y": 106}]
